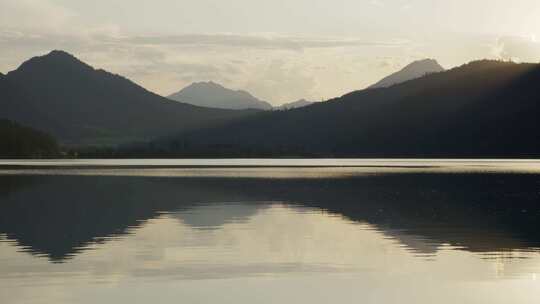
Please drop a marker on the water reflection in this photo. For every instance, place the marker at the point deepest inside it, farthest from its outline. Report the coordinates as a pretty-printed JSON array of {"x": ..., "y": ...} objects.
[
  {"x": 391, "y": 228},
  {"x": 60, "y": 215}
]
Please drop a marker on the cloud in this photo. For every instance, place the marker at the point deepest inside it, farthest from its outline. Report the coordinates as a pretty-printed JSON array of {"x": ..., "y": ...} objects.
[
  {"x": 276, "y": 68},
  {"x": 256, "y": 41},
  {"x": 37, "y": 15},
  {"x": 272, "y": 67},
  {"x": 282, "y": 80},
  {"x": 520, "y": 49}
]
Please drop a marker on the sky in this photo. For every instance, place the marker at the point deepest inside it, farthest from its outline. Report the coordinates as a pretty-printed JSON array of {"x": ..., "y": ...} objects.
[{"x": 280, "y": 50}]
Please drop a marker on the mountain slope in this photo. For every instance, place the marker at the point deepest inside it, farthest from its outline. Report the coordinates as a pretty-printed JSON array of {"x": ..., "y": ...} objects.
[
  {"x": 22, "y": 142},
  {"x": 484, "y": 109},
  {"x": 213, "y": 95},
  {"x": 80, "y": 105},
  {"x": 412, "y": 71}
]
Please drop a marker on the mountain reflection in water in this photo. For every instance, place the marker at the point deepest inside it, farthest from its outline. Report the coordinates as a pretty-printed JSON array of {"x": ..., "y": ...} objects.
[
  {"x": 59, "y": 216},
  {"x": 392, "y": 238}
]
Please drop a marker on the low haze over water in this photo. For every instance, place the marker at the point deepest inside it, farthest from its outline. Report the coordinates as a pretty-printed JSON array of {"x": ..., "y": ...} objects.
[{"x": 270, "y": 231}]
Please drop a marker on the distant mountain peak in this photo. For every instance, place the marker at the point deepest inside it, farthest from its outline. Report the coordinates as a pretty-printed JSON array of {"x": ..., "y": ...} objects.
[
  {"x": 214, "y": 86},
  {"x": 411, "y": 71},
  {"x": 426, "y": 63},
  {"x": 480, "y": 109},
  {"x": 206, "y": 84},
  {"x": 214, "y": 95}
]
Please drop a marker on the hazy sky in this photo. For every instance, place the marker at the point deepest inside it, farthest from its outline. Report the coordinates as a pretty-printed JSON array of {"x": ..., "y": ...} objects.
[{"x": 279, "y": 50}]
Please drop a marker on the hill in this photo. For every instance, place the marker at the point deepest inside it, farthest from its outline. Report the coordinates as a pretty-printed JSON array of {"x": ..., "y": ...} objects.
[
  {"x": 23, "y": 142},
  {"x": 213, "y": 95},
  {"x": 295, "y": 104},
  {"x": 80, "y": 105},
  {"x": 412, "y": 71},
  {"x": 481, "y": 109}
]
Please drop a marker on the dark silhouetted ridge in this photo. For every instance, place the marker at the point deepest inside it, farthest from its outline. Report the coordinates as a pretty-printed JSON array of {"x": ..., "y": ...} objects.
[
  {"x": 412, "y": 71},
  {"x": 55, "y": 61},
  {"x": 481, "y": 109},
  {"x": 80, "y": 105}
]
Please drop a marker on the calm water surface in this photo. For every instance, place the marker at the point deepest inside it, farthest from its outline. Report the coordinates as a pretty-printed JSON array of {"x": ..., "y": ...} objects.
[{"x": 270, "y": 231}]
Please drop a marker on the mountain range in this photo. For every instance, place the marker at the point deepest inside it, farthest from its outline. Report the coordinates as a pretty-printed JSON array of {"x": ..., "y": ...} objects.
[
  {"x": 213, "y": 95},
  {"x": 481, "y": 109},
  {"x": 412, "y": 71},
  {"x": 80, "y": 105}
]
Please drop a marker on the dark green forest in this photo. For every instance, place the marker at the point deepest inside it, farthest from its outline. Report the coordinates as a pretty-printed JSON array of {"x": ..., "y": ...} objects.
[{"x": 23, "y": 142}]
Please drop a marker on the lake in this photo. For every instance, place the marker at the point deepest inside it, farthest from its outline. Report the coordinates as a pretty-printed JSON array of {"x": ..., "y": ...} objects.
[{"x": 270, "y": 231}]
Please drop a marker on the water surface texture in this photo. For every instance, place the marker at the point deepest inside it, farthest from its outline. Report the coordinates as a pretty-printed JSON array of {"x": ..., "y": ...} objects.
[{"x": 270, "y": 231}]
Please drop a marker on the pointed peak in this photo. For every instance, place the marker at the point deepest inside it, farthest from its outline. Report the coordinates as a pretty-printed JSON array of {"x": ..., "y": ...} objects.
[
  {"x": 58, "y": 56},
  {"x": 214, "y": 95},
  {"x": 60, "y": 53},
  {"x": 414, "y": 70},
  {"x": 428, "y": 64},
  {"x": 56, "y": 59}
]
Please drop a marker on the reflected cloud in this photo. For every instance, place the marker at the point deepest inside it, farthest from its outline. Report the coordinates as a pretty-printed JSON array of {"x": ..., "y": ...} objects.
[{"x": 216, "y": 216}]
